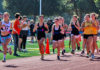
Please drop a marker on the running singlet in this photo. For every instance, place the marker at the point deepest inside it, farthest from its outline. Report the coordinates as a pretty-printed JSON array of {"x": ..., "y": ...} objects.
[
  {"x": 88, "y": 28},
  {"x": 57, "y": 34},
  {"x": 41, "y": 31},
  {"x": 95, "y": 31},
  {"x": 6, "y": 27},
  {"x": 74, "y": 31}
]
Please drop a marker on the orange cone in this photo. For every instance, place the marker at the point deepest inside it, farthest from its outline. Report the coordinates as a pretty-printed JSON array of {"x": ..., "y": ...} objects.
[{"x": 47, "y": 47}]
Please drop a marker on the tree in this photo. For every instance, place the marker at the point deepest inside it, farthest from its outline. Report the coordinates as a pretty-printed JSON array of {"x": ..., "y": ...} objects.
[
  {"x": 1, "y": 7},
  {"x": 25, "y": 7},
  {"x": 31, "y": 7}
]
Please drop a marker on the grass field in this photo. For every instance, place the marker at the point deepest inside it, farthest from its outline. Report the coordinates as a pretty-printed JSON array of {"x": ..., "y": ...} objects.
[{"x": 34, "y": 51}]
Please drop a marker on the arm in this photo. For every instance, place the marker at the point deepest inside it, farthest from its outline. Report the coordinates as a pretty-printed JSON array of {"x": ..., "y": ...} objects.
[
  {"x": 46, "y": 26},
  {"x": 69, "y": 27},
  {"x": 97, "y": 26},
  {"x": 35, "y": 28},
  {"x": 82, "y": 26},
  {"x": 62, "y": 30},
  {"x": 52, "y": 31},
  {"x": 77, "y": 26}
]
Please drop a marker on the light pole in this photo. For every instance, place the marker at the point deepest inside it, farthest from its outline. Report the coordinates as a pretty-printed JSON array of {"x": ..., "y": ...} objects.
[{"x": 40, "y": 8}]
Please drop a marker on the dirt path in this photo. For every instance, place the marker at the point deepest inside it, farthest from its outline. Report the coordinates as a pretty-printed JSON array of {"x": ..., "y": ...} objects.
[{"x": 68, "y": 62}]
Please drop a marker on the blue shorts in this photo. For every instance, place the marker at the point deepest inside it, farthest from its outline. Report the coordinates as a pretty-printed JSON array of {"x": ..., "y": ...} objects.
[{"x": 4, "y": 38}]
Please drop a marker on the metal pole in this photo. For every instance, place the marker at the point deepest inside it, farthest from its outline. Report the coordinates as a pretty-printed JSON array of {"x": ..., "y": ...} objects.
[{"x": 40, "y": 7}]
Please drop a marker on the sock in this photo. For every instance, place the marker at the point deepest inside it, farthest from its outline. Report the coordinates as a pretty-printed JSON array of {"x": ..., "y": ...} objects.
[{"x": 4, "y": 57}]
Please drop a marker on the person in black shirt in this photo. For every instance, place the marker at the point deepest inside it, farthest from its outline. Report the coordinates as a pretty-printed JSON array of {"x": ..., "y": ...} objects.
[
  {"x": 31, "y": 30},
  {"x": 75, "y": 28},
  {"x": 48, "y": 35}
]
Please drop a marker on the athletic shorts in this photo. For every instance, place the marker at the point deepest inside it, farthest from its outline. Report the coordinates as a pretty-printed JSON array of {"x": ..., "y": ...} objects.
[
  {"x": 40, "y": 37},
  {"x": 87, "y": 36},
  {"x": 76, "y": 36},
  {"x": 57, "y": 37},
  {"x": 23, "y": 33},
  {"x": 57, "y": 40},
  {"x": 4, "y": 38}
]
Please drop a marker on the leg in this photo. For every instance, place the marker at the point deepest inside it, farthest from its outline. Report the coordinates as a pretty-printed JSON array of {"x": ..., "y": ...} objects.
[
  {"x": 89, "y": 44},
  {"x": 73, "y": 44},
  {"x": 83, "y": 46},
  {"x": 41, "y": 47},
  {"x": 95, "y": 44},
  {"x": 20, "y": 42},
  {"x": 15, "y": 37},
  {"x": 24, "y": 41}
]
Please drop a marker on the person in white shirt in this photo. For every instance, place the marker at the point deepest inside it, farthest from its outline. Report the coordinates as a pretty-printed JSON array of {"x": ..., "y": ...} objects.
[{"x": 23, "y": 34}]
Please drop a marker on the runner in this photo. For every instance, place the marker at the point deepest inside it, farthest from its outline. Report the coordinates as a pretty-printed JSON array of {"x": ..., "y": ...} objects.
[
  {"x": 95, "y": 23},
  {"x": 75, "y": 28},
  {"x": 41, "y": 28},
  {"x": 5, "y": 35},
  {"x": 61, "y": 21},
  {"x": 57, "y": 30},
  {"x": 87, "y": 34},
  {"x": 33, "y": 34}
]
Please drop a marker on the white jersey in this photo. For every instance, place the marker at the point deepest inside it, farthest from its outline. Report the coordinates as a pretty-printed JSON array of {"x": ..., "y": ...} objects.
[{"x": 6, "y": 27}]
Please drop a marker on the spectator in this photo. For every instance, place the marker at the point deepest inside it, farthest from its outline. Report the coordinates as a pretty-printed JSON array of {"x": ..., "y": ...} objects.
[
  {"x": 48, "y": 35},
  {"x": 16, "y": 32},
  {"x": 23, "y": 34},
  {"x": 31, "y": 30}
]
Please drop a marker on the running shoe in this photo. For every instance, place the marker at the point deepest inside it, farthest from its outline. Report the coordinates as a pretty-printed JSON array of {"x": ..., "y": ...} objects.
[
  {"x": 63, "y": 52},
  {"x": 87, "y": 56},
  {"x": 16, "y": 55},
  {"x": 42, "y": 57},
  {"x": 73, "y": 52},
  {"x": 58, "y": 57},
  {"x": 4, "y": 60},
  {"x": 10, "y": 51},
  {"x": 82, "y": 53},
  {"x": 92, "y": 56}
]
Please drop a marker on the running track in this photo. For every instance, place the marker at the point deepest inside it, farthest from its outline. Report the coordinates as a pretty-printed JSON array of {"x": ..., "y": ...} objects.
[{"x": 68, "y": 62}]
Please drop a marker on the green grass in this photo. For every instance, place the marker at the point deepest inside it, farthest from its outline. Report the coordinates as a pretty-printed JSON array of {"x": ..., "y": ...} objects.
[{"x": 33, "y": 50}]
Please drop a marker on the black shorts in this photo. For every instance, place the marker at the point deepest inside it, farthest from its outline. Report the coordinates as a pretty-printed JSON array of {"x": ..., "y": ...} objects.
[
  {"x": 87, "y": 36},
  {"x": 95, "y": 34},
  {"x": 57, "y": 37},
  {"x": 63, "y": 36},
  {"x": 22, "y": 33},
  {"x": 33, "y": 33},
  {"x": 39, "y": 37}
]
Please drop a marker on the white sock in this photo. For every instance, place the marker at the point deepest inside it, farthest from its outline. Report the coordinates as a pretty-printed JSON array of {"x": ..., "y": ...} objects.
[{"x": 4, "y": 56}]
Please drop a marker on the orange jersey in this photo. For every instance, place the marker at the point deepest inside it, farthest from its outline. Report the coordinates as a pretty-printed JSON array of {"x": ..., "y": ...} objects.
[
  {"x": 16, "y": 29},
  {"x": 88, "y": 28},
  {"x": 95, "y": 30}
]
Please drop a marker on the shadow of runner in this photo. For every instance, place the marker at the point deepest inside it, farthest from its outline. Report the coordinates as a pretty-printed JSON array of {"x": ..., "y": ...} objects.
[
  {"x": 47, "y": 60},
  {"x": 63, "y": 60},
  {"x": 66, "y": 56},
  {"x": 11, "y": 66},
  {"x": 95, "y": 59}
]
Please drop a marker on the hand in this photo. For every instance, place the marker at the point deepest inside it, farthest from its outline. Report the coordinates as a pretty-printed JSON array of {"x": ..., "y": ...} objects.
[{"x": 51, "y": 37}]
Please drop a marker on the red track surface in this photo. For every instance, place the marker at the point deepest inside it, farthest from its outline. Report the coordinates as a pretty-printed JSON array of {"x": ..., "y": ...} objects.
[{"x": 68, "y": 62}]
